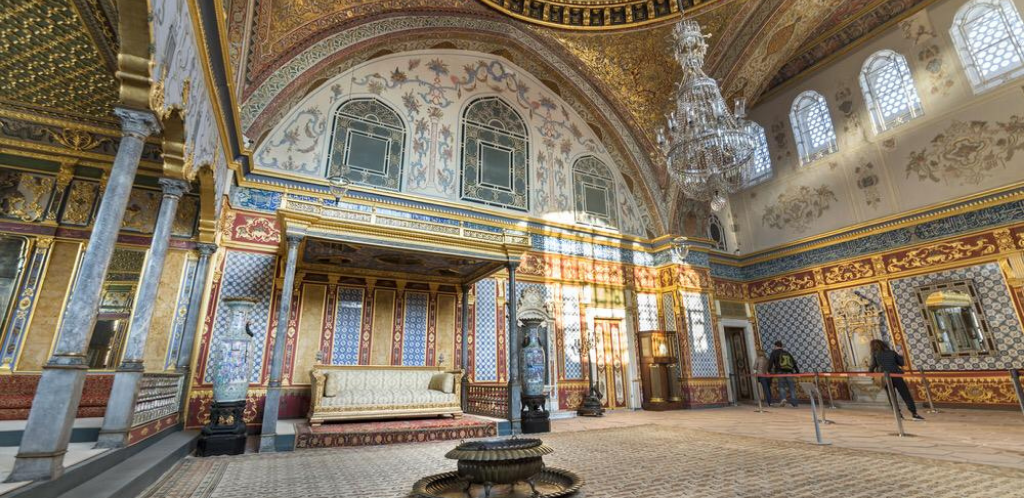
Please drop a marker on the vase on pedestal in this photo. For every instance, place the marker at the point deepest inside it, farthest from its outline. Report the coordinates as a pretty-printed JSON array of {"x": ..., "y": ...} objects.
[
  {"x": 231, "y": 365},
  {"x": 533, "y": 315}
]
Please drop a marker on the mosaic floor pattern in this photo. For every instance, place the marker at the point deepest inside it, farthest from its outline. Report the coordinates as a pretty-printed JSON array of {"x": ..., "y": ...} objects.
[{"x": 640, "y": 461}]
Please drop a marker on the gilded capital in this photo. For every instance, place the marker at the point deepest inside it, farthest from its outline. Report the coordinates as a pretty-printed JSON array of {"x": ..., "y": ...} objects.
[
  {"x": 137, "y": 123},
  {"x": 173, "y": 187}
]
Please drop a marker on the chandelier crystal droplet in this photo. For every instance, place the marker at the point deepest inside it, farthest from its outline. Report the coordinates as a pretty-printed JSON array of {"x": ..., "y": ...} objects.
[{"x": 707, "y": 146}]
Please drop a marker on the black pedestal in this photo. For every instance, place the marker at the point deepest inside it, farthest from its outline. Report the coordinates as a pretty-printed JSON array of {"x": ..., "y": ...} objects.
[
  {"x": 225, "y": 434},
  {"x": 591, "y": 406},
  {"x": 535, "y": 417}
]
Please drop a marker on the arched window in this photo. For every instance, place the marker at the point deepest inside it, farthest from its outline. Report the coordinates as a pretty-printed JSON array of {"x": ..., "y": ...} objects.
[
  {"x": 760, "y": 167},
  {"x": 368, "y": 144},
  {"x": 989, "y": 36},
  {"x": 594, "y": 190},
  {"x": 495, "y": 148},
  {"x": 889, "y": 90},
  {"x": 812, "y": 127},
  {"x": 716, "y": 232}
]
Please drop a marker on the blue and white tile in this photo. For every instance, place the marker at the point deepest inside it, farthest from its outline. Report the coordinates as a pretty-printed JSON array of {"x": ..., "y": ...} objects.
[
  {"x": 647, "y": 311},
  {"x": 703, "y": 354},
  {"x": 249, "y": 275},
  {"x": 798, "y": 323},
  {"x": 1000, "y": 314},
  {"x": 348, "y": 323},
  {"x": 414, "y": 335},
  {"x": 486, "y": 331}
]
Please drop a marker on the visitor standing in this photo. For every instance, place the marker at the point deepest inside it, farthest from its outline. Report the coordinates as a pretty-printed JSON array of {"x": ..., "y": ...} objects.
[
  {"x": 884, "y": 359},
  {"x": 761, "y": 369},
  {"x": 782, "y": 362}
]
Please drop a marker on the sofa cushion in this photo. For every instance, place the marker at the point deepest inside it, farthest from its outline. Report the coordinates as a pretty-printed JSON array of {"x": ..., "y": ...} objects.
[
  {"x": 333, "y": 384},
  {"x": 443, "y": 381}
]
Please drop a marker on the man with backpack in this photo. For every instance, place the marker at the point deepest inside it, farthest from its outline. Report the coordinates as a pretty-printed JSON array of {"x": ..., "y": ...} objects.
[{"x": 782, "y": 362}]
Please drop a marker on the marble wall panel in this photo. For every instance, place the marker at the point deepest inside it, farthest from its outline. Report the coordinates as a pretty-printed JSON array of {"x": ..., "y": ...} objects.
[{"x": 307, "y": 344}]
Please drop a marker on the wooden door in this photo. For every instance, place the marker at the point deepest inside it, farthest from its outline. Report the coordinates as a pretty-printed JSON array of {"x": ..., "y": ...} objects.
[
  {"x": 611, "y": 362},
  {"x": 737, "y": 340}
]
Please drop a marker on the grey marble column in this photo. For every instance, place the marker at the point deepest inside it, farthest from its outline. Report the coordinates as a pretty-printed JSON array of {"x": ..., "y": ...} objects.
[
  {"x": 195, "y": 304},
  {"x": 46, "y": 436},
  {"x": 270, "y": 408},
  {"x": 464, "y": 361},
  {"x": 117, "y": 420},
  {"x": 515, "y": 344}
]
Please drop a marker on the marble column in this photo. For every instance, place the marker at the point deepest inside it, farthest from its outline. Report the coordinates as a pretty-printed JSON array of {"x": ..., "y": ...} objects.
[
  {"x": 515, "y": 344},
  {"x": 195, "y": 304},
  {"x": 48, "y": 431},
  {"x": 270, "y": 408},
  {"x": 117, "y": 420},
  {"x": 464, "y": 361}
]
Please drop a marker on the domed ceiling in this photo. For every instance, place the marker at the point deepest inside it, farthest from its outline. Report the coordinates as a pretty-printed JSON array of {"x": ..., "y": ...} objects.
[{"x": 756, "y": 45}]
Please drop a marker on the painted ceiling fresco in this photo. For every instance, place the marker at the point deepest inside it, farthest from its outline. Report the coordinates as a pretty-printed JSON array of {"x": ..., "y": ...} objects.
[
  {"x": 755, "y": 44},
  {"x": 59, "y": 58}
]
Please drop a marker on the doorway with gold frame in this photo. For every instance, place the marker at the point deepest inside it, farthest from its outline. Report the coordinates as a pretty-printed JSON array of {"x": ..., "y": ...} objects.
[{"x": 611, "y": 361}]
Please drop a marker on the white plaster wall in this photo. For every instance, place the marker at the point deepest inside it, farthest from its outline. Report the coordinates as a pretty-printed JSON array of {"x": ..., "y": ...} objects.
[
  {"x": 176, "y": 64},
  {"x": 833, "y": 192}
]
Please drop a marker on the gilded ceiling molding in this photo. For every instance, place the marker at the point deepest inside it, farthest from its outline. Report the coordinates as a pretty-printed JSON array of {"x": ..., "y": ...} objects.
[
  {"x": 52, "y": 64},
  {"x": 592, "y": 14},
  {"x": 333, "y": 55},
  {"x": 133, "y": 56},
  {"x": 779, "y": 37},
  {"x": 833, "y": 41}
]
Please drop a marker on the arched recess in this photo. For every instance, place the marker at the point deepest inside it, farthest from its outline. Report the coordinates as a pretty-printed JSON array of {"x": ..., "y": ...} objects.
[
  {"x": 275, "y": 93},
  {"x": 594, "y": 193},
  {"x": 495, "y": 155},
  {"x": 368, "y": 141},
  {"x": 430, "y": 89},
  {"x": 135, "y": 39}
]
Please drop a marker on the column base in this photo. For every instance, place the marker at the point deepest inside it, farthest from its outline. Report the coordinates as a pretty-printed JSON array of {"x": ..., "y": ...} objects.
[
  {"x": 117, "y": 420},
  {"x": 48, "y": 431},
  {"x": 37, "y": 468},
  {"x": 268, "y": 443}
]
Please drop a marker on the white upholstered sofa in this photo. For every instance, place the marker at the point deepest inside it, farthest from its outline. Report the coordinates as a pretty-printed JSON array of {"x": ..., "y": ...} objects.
[{"x": 375, "y": 392}]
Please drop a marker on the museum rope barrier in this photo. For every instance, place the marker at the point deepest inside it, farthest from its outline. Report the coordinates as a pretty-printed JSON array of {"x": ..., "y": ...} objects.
[{"x": 886, "y": 378}]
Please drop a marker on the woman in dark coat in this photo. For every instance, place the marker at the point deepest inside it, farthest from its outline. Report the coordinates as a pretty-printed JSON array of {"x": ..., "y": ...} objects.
[{"x": 884, "y": 359}]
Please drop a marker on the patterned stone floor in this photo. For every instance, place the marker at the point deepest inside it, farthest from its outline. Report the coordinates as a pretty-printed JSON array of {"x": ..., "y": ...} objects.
[{"x": 652, "y": 460}]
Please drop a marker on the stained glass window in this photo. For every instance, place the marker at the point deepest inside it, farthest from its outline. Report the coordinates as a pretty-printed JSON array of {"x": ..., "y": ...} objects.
[
  {"x": 989, "y": 36},
  {"x": 594, "y": 190},
  {"x": 368, "y": 138},
  {"x": 494, "y": 155},
  {"x": 889, "y": 90},
  {"x": 812, "y": 127},
  {"x": 760, "y": 168},
  {"x": 716, "y": 232}
]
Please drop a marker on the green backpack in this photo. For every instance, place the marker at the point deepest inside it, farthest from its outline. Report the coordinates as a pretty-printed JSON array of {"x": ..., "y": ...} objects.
[{"x": 786, "y": 362}]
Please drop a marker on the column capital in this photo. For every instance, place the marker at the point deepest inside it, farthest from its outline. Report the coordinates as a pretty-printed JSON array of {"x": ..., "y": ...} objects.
[
  {"x": 206, "y": 248},
  {"x": 138, "y": 123},
  {"x": 294, "y": 239},
  {"x": 173, "y": 187}
]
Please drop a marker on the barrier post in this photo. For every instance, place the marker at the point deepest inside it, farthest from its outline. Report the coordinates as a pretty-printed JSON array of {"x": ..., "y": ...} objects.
[
  {"x": 895, "y": 405},
  {"x": 814, "y": 414},
  {"x": 928, "y": 392},
  {"x": 1015, "y": 377},
  {"x": 757, "y": 393},
  {"x": 734, "y": 380},
  {"x": 828, "y": 389}
]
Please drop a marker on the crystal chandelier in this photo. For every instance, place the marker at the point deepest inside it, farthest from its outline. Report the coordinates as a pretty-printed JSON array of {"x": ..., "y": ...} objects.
[{"x": 707, "y": 147}]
